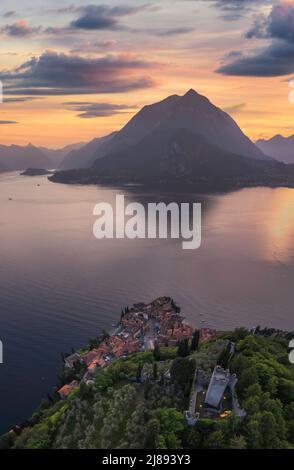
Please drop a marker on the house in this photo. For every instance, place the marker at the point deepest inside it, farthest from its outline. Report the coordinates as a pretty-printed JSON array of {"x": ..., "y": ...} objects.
[
  {"x": 206, "y": 334},
  {"x": 68, "y": 389},
  {"x": 91, "y": 356},
  {"x": 71, "y": 360},
  {"x": 88, "y": 378}
]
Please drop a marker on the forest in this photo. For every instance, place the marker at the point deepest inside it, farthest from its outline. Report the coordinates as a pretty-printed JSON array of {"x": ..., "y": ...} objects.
[{"x": 139, "y": 402}]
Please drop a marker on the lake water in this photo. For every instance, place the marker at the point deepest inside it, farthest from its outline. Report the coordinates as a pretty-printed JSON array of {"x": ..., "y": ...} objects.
[{"x": 59, "y": 285}]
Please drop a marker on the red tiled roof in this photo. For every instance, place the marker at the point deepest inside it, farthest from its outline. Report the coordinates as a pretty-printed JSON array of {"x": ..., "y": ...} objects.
[{"x": 68, "y": 388}]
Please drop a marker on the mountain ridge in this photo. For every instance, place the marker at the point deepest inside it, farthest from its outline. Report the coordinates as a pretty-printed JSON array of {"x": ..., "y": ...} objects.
[
  {"x": 17, "y": 157},
  {"x": 278, "y": 147},
  {"x": 191, "y": 111}
]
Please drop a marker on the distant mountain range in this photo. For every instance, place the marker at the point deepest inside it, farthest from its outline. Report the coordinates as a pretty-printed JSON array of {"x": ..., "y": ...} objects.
[
  {"x": 16, "y": 157},
  {"x": 278, "y": 147},
  {"x": 183, "y": 140},
  {"x": 58, "y": 155},
  {"x": 85, "y": 155},
  {"x": 180, "y": 140}
]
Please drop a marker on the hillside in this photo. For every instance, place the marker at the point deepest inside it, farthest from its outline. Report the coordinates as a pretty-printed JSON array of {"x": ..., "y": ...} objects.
[
  {"x": 180, "y": 159},
  {"x": 57, "y": 156},
  {"x": 84, "y": 157},
  {"x": 180, "y": 141},
  {"x": 140, "y": 401},
  {"x": 278, "y": 147},
  {"x": 16, "y": 157},
  {"x": 191, "y": 112}
]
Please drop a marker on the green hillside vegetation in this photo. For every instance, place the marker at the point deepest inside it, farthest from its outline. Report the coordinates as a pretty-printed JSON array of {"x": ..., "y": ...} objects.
[{"x": 120, "y": 411}]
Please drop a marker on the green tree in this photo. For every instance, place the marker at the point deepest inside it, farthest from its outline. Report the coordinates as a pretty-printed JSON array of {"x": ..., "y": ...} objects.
[
  {"x": 248, "y": 377},
  {"x": 156, "y": 353},
  {"x": 253, "y": 433},
  {"x": 195, "y": 341},
  {"x": 237, "y": 442},
  {"x": 155, "y": 371},
  {"x": 269, "y": 433},
  {"x": 153, "y": 428},
  {"x": 182, "y": 370},
  {"x": 172, "y": 425},
  {"x": 183, "y": 348},
  {"x": 215, "y": 440}
]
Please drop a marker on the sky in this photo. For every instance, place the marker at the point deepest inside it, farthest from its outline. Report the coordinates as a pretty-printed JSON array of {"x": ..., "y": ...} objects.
[{"x": 73, "y": 71}]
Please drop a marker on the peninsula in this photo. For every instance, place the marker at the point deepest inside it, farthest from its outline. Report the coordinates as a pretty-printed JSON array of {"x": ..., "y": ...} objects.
[{"x": 156, "y": 382}]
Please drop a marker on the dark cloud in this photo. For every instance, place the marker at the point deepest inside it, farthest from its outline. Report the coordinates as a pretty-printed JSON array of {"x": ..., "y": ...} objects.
[
  {"x": 9, "y": 14},
  {"x": 95, "y": 17},
  {"x": 22, "y": 99},
  {"x": 20, "y": 29},
  {"x": 8, "y": 122},
  {"x": 93, "y": 47},
  {"x": 278, "y": 25},
  {"x": 171, "y": 31},
  {"x": 277, "y": 59},
  {"x": 88, "y": 110},
  {"x": 235, "y": 109},
  {"x": 235, "y": 9},
  {"x": 61, "y": 74},
  {"x": 273, "y": 61}
]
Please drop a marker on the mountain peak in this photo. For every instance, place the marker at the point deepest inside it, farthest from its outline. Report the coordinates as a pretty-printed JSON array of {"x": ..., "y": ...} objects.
[
  {"x": 191, "y": 92},
  {"x": 193, "y": 97}
]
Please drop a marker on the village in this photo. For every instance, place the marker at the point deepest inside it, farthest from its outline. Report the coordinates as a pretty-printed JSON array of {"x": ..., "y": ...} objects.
[{"x": 141, "y": 328}]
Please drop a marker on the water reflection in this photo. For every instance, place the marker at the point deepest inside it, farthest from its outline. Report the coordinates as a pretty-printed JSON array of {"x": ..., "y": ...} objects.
[{"x": 59, "y": 285}]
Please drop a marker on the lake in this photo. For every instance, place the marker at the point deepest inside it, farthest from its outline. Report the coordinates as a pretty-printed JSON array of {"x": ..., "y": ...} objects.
[{"x": 59, "y": 285}]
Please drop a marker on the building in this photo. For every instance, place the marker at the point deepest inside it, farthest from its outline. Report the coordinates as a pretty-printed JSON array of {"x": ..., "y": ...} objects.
[
  {"x": 67, "y": 389},
  {"x": 70, "y": 361},
  {"x": 217, "y": 388}
]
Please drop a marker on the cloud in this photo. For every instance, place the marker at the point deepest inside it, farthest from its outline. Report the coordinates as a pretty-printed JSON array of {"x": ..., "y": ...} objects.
[
  {"x": 235, "y": 109},
  {"x": 277, "y": 59},
  {"x": 60, "y": 74},
  {"x": 9, "y": 14},
  {"x": 274, "y": 61},
  {"x": 88, "y": 110},
  {"x": 236, "y": 9},
  {"x": 96, "y": 17},
  {"x": 171, "y": 31},
  {"x": 93, "y": 47},
  {"x": 22, "y": 99},
  {"x": 8, "y": 122},
  {"x": 20, "y": 29},
  {"x": 278, "y": 25}
]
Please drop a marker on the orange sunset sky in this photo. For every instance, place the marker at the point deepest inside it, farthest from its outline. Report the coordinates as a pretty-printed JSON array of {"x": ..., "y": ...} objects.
[{"x": 78, "y": 70}]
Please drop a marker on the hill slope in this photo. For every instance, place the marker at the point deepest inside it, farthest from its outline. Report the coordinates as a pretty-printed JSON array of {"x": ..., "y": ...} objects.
[
  {"x": 57, "y": 155},
  {"x": 16, "y": 157},
  {"x": 191, "y": 112},
  {"x": 120, "y": 412},
  {"x": 278, "y": 147}
]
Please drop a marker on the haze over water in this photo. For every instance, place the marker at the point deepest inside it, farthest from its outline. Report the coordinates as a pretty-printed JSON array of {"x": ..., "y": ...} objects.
[{"x": 59, "y": 286}]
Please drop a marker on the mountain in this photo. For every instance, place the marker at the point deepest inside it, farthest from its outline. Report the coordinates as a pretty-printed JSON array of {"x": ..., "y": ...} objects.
[
  {"x": 279, "y": 147},
  {"x": 2, "y": 168},
  {"x": 197, "y": 114},
  {"x": 181, "y": 140},
  {"x": 85, "y": 156},
  {"x": 57, "y": 155},
  {"x": 192, "y": 112},
  {"x": 16, "y": 157},
  {"x": 180, "y": 158},
  {"x": 174, "y": 154}
]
